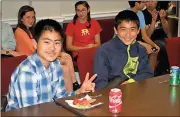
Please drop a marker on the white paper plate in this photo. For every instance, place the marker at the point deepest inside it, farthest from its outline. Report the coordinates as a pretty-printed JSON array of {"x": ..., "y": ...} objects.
[{"x": 70, "y": 103}]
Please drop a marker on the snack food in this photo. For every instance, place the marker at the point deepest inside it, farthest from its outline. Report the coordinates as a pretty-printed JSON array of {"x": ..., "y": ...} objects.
[{"x": 83, "y": 102}]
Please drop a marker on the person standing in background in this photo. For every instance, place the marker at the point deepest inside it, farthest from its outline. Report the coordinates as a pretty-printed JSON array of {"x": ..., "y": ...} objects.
[{"x": 83, "y": 32}]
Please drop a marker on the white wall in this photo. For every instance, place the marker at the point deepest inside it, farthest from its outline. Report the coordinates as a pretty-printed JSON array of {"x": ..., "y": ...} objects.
[{"x": 60, "y": 10}]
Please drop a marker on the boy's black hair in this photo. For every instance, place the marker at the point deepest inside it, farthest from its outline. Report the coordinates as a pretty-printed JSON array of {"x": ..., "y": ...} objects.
[
  {"x": 47, "y": 25},
  {"x": 132, "y": 3},
  {"x": 128, "y": 16}
]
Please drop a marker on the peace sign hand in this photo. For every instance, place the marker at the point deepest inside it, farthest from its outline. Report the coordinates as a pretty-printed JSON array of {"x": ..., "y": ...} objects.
[{"x": 87, "y": 85}]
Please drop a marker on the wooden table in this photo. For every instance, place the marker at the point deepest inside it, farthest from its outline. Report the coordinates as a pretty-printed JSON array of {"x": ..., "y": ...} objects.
[
  {"x": 150, "y": 97},
  {"x": 44, "y": 109}
]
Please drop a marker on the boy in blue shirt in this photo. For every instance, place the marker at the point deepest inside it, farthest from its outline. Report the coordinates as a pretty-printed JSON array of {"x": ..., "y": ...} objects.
[
  {"x": 39, "y": 78},
  {"x": 123, "y": 56}
]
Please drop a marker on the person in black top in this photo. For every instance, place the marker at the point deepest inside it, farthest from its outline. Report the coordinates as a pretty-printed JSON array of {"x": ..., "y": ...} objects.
[{"x": 157, "y": 29}]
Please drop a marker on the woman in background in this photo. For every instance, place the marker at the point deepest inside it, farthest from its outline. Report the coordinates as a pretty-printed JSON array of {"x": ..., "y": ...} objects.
[
  {"x": 83, "y": 32},
  {"x": 24, "y": 31}
]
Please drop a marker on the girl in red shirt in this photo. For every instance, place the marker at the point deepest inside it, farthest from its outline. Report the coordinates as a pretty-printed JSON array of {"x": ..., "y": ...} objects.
[{"x": 83, "y": 32}]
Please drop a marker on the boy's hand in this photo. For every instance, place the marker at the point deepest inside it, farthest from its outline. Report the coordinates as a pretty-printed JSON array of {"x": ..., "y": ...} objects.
[
  {"x": 157, "y": 47},
  {"x": 64, "y": 58},
  {"x": 90, "y": 46},
  {"x": 64, "y": 55},
  {"x": 162, "y": 14},
  {"x": 14, "y": 53},
  {"x": 129, "y": 81},
  {"x": 148, "y": 48},
  {"x": 154, "y": 15},
  {"x": 87, "y": 85}
]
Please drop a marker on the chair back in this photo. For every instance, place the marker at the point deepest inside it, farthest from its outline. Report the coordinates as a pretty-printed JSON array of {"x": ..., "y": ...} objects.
[
  {"x": 8, "y": 66},
  {"x": 107, "y": 32},
  {"x": 85, "y": 62},
  {"x": 173, "y": 51}
]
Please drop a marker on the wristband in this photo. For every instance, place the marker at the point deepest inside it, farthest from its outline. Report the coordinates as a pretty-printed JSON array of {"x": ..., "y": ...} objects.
[
  {"x": 76, "y": 86},
  {"x": 7, "y": 52}
]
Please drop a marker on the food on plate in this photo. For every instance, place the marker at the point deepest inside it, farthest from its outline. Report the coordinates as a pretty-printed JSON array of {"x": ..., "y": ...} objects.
[
  {"x": 83, "y": 102},
  {"x": 91, "y": 101},
  {"x": 86, "y": 102}
]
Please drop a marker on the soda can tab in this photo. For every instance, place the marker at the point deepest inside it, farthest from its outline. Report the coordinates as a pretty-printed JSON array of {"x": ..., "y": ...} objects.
[
  {"x": 174, "y": 76},
  {"x": 115, "y": 100}
]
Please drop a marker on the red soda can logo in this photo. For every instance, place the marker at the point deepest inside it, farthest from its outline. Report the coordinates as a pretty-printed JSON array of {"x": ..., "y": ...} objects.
[{"x": 115, "y": 100}]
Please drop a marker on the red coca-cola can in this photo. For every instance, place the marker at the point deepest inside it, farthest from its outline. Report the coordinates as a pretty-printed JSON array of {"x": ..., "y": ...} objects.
[{"x": 115, "y": 100}]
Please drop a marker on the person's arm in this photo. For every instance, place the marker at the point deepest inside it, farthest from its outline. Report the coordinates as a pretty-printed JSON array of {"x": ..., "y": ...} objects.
[
  {"x": 97, "y": 29},
  {"x": 87, "y": 85},
  {"x": 66, "y": 60},
  {"x": 70, "y": 46},
  {"x": 147, "y": 46},
  {"x": 3, "y": 51},
  {"x": 165, "y": 26},
  {"x": 61, "y": 91},
  {"x": 101, "y": 69},
  {"x": 151, "y": 28},
  {"x": 144, "y": 70},
  {"x": 70, "y": 30},
  {"x": 148, "y": 40},
  {"x": 15, "y": 53},
  {"x": 11, "y": 52},
  {"x": 11, "y": 39},
  {"x": 97, "y": 40},
  {"x": 144, "y": 33},
  {"x": 164, "y": 22}
]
